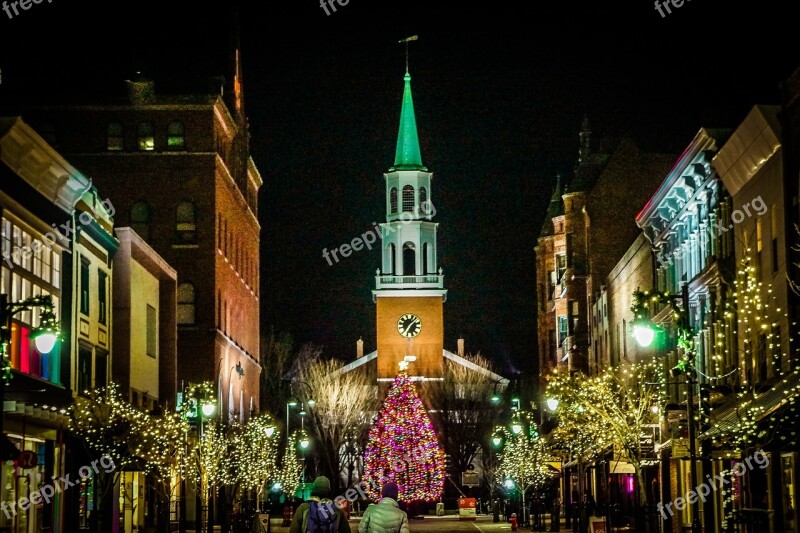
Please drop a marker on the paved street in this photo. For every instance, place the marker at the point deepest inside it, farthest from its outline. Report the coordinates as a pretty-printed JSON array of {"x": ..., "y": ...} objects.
[{"x": 483, "y": 524}]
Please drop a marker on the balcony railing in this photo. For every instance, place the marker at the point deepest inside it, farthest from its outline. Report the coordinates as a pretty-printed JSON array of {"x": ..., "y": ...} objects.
[{"x": 428, "y": 281}]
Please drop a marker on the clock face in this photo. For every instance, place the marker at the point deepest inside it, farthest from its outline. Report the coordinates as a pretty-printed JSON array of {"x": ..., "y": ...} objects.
[{"x": 409, "y": 325}]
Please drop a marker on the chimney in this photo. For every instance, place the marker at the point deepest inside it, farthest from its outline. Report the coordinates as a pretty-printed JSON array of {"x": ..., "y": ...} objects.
[
  {"x": 461, "y": 347},
  {"x": 141, "y": 90},
  {"x": 359, "y": 349}
]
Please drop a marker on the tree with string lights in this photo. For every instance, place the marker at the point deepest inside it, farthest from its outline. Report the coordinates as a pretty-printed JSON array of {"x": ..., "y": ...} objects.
[
  {"x": 403, "y": 447},
  {"x": 610, "y": 410},
  {"x": 287, "y": 476},
  {"x": 522, "y": 461},
  {"x": 110, "y": 426}
]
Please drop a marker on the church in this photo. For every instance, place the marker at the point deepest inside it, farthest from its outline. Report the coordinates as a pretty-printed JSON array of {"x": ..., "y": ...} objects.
[{"x": 409, "y": 292}]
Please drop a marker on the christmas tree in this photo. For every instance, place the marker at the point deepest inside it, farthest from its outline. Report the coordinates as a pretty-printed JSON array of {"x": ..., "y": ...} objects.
[{"x": 403, "y": 447}]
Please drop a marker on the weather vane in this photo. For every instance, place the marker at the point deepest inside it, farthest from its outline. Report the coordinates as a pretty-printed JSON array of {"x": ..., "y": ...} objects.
[{"x": 406, "y": 41}]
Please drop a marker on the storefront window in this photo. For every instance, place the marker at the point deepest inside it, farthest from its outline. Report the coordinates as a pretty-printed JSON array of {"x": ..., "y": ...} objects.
[{"x": 17, "y": 482}]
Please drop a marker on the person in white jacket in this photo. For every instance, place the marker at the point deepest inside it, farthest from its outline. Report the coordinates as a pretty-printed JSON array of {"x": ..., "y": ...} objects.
[{"x": 386, "y": 515}]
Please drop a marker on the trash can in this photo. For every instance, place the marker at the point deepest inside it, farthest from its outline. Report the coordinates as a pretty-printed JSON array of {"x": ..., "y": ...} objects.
[{"x": 440, "y": 509}]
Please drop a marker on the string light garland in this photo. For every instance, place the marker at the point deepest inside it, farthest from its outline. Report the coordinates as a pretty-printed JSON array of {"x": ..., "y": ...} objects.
[
  {"x": 403, "y": 447},
  {"x": 524, "y": 456}
]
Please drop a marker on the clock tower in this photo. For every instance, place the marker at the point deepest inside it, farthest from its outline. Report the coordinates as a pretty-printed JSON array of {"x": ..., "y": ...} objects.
[{"x": 409, "y": 287}]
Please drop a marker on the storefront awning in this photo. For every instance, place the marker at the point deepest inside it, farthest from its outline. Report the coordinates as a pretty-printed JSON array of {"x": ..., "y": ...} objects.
[{"x": 754, "y": 407}]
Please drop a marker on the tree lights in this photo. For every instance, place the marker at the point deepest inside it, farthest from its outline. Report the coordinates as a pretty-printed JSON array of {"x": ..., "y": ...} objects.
[
  {"x": 523, "y": 458},
  {"x": 403, "y": 447},
  {"x": 613, "y": 408}
]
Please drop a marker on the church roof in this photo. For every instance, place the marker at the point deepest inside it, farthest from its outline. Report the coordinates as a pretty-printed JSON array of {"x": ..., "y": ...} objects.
[
  {"x": 407, "y": 156},
  {"x": 503, "y": 382}
]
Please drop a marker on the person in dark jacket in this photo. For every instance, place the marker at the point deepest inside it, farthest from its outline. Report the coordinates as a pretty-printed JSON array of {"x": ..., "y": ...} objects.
[
  {"x": 321, "y": 493},
  {"x": 386, "y": 515}
]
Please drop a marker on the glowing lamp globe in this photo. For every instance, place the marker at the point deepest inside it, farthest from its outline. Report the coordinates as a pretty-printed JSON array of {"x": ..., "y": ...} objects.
[
  {"x": 208, "y": 409},
  {"x": 516, "y": 427},
  {"x": 509, "y": 483},
  {"x": 552, "y": 404},
  {"x": 45, "y": 341},
  {"x": 277, "y": 487},
  {"x": 270, "y": 431},
  {"x": 311, "y": 403},
  {"x": 304, "y": 442},
  {"x": 643, "y": 333},
  {"x": 497, "y": 440},
  {"x": 495, "y": 399}
]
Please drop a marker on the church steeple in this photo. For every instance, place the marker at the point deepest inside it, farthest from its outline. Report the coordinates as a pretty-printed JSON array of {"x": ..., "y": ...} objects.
[
  {"x": 407, "y": 156},
  {"x": 409, "y": 286}
]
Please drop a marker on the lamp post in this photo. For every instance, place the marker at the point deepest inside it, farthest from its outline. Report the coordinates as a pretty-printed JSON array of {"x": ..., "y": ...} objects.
[
  {"x": 644, "y": 333},
  {"x": 203, "y": 405},
  {"x": 45, "y": 336}
]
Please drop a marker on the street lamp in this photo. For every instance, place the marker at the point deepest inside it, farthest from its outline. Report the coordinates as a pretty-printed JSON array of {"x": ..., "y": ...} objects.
[
  {"x": 552, "y": 404},
  {"x": 45, "y": 336},
  {"x": 644, "y": 332},
  {"x": 516, "y": 426}
]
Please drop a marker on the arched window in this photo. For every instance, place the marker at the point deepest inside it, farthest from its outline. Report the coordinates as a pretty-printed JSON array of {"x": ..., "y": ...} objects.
[
  {"x": 175, "y": 136},
  {"x": 186, "y": 304},
  {"x": 409, "y": 259},
  {"x": 185, "y": 222},
  {"x": 393, "y": 199},
  {"x": 140, "y": 219},
  {"x": 115, "y": 139},
  {"x": 147, "y": 142},
  {"x": 392, "y": 259},
  {"x": 408, "y": 198}
]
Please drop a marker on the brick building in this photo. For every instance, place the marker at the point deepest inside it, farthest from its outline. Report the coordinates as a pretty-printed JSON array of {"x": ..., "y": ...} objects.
[
  {"x": 179, "y": 172},
  {"x": 588, "y": 227}
]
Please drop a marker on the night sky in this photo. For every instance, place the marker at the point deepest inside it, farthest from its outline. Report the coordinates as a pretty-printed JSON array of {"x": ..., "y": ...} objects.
[{"x": 499, "y": 90}]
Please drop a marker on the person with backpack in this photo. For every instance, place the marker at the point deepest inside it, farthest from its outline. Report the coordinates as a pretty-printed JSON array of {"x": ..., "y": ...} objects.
[
  {"x": 319, "y": 514},
  {"x": 386, "y": 515}
]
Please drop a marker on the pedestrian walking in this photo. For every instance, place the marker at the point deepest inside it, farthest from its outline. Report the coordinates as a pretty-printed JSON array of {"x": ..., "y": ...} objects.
[
  {"x": 319, "y": 514},
  {"x": 386, "y": 515}
]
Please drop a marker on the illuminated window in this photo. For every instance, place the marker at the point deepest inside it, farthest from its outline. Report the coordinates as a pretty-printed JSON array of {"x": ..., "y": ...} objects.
[
  {"x": 561, "y": 266},
  {"x": 185, "y": 222},
  {"x": 563, "y": 329},
  {"x": 186, "y": 304},
  {"x": 408, "y": 198},
  {"x": 115, "y": 139},
  {"x": 393, "y": 199},
  {"x": 140, "y": 219},
  {"x": 175, "y": 136},
  {"x": 147, "y": 142}
]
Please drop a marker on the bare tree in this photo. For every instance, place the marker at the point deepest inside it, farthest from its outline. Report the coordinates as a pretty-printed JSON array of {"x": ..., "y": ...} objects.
[
  {"x": 461, "y": 408},
  {"x": 344, "y": 402},
  {"x": 276, "y": 362}
]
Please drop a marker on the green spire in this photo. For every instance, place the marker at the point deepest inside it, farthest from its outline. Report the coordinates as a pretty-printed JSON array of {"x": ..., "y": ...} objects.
[{"x": 407, "y": 156}]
